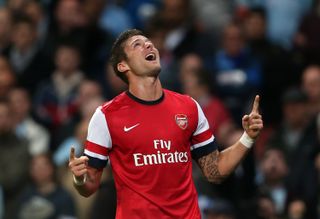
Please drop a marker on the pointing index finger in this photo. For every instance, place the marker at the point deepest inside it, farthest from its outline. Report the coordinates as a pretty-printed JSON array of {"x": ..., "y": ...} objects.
[
  {"x": 255, "y": 108},
  {"x": 72, "y": 154}
]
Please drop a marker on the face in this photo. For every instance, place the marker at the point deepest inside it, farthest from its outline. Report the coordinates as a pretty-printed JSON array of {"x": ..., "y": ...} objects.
[
  {"x": 34, "y": 11},
  {"x": 87, "y": 91},
  {"x": 67, "y": 60},
  {"x": 295, "y": 114},
  {"x": 68, "y": 13},
  {"x": 19, "y": 103},
  {"x": 175, "y": 12},
  {"x": 23, "y": 36},
  {"x": 41, "y": 170},
  {"x": 274, "y": 166},
  {"x": 255, "y": 27},
  {"x": 311, "y": 83},
  {"x": 232, "y": 40},
  {"x": 143, "y": 58}
]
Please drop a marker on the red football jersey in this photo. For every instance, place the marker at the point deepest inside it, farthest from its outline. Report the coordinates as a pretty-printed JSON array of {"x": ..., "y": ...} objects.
[{"x": 150, "y": 145}]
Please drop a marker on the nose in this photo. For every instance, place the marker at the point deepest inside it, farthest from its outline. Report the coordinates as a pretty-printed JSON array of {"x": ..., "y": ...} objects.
[{"x": 148, "y": 45}]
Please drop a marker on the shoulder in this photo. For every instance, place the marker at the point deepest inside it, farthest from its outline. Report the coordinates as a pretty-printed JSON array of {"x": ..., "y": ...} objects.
[
  {"x": 174, "y": 96},
  {"x": 115, "y": 104}
]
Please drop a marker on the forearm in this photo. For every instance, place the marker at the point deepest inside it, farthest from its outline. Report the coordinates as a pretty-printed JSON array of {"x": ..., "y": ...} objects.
[
  {"x": 91, "y": 184},
  {"x": 217, "y": 166},
  {"x": 231, "y": 157}
]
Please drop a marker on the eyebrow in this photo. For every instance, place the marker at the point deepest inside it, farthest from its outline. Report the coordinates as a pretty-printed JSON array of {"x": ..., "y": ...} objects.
[{"x": 146, "y": 40}]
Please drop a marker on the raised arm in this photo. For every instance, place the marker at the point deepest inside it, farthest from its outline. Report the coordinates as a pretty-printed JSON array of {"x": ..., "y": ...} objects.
[
  {"x": 216, "y": 166},
  {"x": 85, "y": 178}
]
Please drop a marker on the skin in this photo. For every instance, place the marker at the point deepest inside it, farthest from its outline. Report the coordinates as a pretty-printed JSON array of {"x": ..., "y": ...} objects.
[{"x": 144, "y": 83}]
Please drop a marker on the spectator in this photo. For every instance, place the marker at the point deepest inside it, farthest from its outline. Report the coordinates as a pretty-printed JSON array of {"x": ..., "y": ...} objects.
[
  {"x": 182, "y": 35},
  {"x": 297, "y": 209},
  {"x": 283, "y": 18},
  {"x": 196, "y": 83},
  {"x": 27, "y": 60},
  {"x": 73, "y": 23},
  {"x": 265, "y": 207},
  {"x": 37, "y": 14},
  {"x": 274, "y": 169},
  {"x": 311, "y": 86},
  {"x": 25, "y": 126},
  {"x": 5, "y": 30},
  {"x": 88, "y": 96},
  {"x": 16, "y": 6},
  {"x": 67, "y": 25},
  {"x": 7, "y": 77},
  {"x": 44, "y": 198},
  {"x": 275, "y": 64},
  {"x": 55, "y": 100},
  {"x": 236, "y": 73},
  {"x": 307, "y": 36},
  {"x": 14, "y": 158},
  {"x": 297, "y": 137},
  {"x": 97, "y": 40}
]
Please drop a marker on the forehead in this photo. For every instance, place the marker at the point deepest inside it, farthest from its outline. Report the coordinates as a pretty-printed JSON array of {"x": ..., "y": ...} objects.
[{"x": 135, "y": 38}]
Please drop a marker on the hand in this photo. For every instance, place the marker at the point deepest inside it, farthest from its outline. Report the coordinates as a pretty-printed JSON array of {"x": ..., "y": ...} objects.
[
  {"x": 253, "y": 123},
  {"x": 78, "y": 166}
]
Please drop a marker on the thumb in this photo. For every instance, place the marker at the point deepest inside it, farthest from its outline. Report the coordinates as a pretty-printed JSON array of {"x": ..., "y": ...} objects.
[{"x": 72, "y": 154}]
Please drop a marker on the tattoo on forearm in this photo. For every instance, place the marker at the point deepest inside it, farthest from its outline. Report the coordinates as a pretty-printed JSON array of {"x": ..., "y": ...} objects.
[{"x": 209, "y": 167}]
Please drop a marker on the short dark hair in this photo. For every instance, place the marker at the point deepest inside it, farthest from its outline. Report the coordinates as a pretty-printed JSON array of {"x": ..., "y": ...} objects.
[
  {"x": 117, "y": 51},
  {"x": 24, "y": 19}
]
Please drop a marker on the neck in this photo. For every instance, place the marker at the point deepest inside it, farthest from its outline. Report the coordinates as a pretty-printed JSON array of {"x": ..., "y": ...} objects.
[{"x": 147, "y": 89}]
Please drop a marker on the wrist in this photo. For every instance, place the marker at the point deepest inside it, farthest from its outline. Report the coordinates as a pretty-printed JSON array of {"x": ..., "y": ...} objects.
[
  {"x": 80, "y": 182},
  {"x": 246, "y": 140}
]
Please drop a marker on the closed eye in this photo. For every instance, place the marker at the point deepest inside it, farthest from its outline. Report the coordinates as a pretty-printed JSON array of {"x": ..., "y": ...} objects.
[{"x": 136, "y": 44}]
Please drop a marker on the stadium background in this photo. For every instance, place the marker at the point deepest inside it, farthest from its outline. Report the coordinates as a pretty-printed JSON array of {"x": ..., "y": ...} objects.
[{"x": 54, "y": 73}]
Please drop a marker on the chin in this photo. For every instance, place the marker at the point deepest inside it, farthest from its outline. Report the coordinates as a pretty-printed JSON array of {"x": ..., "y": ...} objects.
[{"x": 156, "y": 71}]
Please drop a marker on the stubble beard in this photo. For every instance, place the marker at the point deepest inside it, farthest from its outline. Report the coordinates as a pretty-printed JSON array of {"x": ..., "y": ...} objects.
[{"x": 155, "y": 72}]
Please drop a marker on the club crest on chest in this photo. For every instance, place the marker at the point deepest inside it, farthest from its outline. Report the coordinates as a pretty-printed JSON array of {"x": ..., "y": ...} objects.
[{"x": 181, "y": 121}]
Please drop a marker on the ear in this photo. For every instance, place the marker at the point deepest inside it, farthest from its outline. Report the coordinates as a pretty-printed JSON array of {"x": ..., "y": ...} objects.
[{"x": 123, "y": 66}]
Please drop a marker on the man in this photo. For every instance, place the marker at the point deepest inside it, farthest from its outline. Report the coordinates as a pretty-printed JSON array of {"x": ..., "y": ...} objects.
[{"x": 150, "y": 135}]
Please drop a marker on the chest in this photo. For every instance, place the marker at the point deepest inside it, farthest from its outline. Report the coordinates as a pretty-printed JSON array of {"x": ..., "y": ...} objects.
[{"x": 152, "y": 128}]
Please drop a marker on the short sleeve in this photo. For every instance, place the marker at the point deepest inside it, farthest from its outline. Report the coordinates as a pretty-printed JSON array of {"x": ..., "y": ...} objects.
[
  {"x": 202, "y": 142},
  {"x": 98, "y": 142}
]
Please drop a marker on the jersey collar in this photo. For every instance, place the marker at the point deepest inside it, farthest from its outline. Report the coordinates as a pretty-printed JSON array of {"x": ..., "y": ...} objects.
[{"x": 151, "y": 102}]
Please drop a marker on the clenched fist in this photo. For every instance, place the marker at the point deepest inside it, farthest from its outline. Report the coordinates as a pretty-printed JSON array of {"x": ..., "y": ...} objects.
[
  {"x": 78, "y": 166},
  {"x": 253, "y": 123}
]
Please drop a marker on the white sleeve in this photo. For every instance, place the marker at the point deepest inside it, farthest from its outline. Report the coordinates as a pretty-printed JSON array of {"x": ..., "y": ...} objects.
[
  {"x": 202, "y": 136},
  {"x": 98, "y": 139}
]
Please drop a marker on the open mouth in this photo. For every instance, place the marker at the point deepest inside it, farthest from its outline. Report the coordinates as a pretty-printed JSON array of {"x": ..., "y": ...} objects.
[{"x": 151, "y": 57}]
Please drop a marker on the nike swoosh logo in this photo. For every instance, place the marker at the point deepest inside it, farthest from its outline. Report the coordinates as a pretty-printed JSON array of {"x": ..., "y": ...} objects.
[{"x": 129, "y": 128}]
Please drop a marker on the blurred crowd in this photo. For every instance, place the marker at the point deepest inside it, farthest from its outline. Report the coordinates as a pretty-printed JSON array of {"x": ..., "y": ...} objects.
[{"x": 54, "y": 72}]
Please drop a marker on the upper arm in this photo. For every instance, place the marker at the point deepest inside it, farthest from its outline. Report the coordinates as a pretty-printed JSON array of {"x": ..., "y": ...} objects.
[
  {"x": 202, "y": 140},
  {"x": 99, "y": 141}
]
